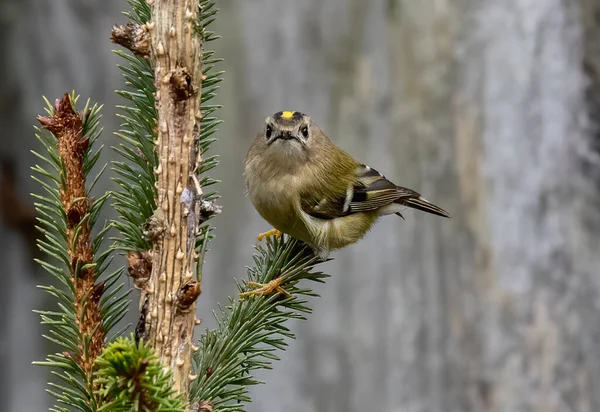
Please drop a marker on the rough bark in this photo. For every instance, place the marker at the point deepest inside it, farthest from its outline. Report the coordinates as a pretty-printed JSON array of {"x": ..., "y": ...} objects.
[{"x": 172, "y": 291}]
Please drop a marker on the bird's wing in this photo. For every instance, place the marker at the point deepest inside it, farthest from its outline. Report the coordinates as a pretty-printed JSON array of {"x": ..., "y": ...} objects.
[
  {"x": 369, "y": 191},
  {"x": 373, "y": 191}
]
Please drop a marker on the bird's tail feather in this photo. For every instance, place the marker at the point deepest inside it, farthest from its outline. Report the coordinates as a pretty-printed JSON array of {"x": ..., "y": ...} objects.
[{"x": 421, "y": 204}]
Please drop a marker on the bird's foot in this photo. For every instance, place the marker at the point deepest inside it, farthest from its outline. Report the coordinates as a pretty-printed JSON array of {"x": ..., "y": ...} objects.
[
  {"x": 272, "y": 232},
  {"x": 266, "y": 288}
]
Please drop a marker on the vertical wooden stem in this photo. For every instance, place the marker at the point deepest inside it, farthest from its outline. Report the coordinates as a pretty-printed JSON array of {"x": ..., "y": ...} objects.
[{"x": 172, "y": 292}]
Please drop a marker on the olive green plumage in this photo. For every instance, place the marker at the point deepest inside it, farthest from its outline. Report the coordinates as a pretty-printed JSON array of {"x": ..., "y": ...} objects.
[{"x": 310, "y": 189}]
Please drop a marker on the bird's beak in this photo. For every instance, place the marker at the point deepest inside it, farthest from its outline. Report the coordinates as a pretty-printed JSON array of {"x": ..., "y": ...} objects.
[{"x": 286, "y": 136}]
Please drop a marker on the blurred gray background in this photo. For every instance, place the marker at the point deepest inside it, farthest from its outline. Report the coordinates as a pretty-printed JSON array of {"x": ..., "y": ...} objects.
[{"x": 488, "y": 108}]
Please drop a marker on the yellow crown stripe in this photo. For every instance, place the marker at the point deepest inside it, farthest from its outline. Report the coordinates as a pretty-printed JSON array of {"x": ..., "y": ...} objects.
[{"x": 287, "y": 115}]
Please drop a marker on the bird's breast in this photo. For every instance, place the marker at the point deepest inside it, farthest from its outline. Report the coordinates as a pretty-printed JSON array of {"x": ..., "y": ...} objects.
[{"x": 277, "y": 201}]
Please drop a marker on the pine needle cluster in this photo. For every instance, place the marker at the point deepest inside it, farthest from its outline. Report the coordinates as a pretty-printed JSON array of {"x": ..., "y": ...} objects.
[
  {"x": 90, "y": 302},
  {"x": 136, "y": 201},
  {"x": 251, "y": 330},
  {"x": 209, "y": 122},
  {"x": 130, "y": 377}
]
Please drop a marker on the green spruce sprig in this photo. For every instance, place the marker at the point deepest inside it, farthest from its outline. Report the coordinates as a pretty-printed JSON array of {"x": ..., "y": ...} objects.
[
  {"x": 136, "y": 201},
  {"x": 252, "y": 329},
  {"x": 130, "y": 377},
  {"x": 209, "y": 122},
  {"x": 90, "y": 302}
]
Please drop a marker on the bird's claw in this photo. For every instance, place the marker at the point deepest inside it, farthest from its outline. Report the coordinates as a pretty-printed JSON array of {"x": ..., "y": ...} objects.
[
  {"x": 272, "y": 232},
  {"x": 266, "y": 288}
]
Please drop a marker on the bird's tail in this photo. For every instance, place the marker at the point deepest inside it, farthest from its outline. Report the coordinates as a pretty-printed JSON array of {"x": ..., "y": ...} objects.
[{"x": 422, "y": 204}]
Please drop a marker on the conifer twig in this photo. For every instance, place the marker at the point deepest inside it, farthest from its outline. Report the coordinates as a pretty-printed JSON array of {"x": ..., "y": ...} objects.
[
  {"x": 165, "y": 135},
  {"x": 251, "y": 330},
  {"x": 131, "y": 378},
  {"x": 67, "y": 126},
  {"x": 88, "y": 308}
]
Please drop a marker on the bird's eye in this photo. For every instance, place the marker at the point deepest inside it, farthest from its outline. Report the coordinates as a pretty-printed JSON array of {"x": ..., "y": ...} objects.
[
  {"x": 304, "y": 131},
  {"x": 268, "y": 132}
]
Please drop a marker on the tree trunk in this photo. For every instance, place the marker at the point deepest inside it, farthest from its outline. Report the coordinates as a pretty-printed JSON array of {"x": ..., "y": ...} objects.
[{"x": 172, "y": 291}]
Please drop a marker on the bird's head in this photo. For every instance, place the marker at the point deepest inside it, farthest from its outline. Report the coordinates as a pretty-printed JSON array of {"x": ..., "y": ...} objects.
[
  {"x": 287, "y": 129},
  {"x": 290, "y": 136}
]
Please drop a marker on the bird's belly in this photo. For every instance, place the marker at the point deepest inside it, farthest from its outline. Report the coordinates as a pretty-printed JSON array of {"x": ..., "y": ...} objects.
[
  {"x": 339, "y": 232},
  {"x": 276, "y": 204}
]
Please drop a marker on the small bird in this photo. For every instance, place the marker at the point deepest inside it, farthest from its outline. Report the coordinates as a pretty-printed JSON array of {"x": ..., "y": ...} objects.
[{"x": 307, "y": 187}]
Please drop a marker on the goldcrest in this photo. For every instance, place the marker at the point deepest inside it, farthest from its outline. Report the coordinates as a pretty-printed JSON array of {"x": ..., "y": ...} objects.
[{"x": 307, "y": 187}]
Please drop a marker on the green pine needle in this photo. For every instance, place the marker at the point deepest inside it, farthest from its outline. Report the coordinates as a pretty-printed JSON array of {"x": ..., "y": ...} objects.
[
  {"x": 130, "y": 377},
  {"x": 250, "y": 330},
  {"x": 136, "y": 201},
  {"x": 73, "y": 388}
]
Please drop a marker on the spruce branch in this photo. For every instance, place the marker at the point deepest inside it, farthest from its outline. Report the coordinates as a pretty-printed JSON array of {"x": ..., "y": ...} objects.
[
  {"x": 136, "y": 201},
  {"x": 89, "y": 307},
  {"x": 130, "y": 377},
  {"x": 250, "y": 330},
  {"x": 67, "y": 126},
  {"x": 167, "y": 128}
]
